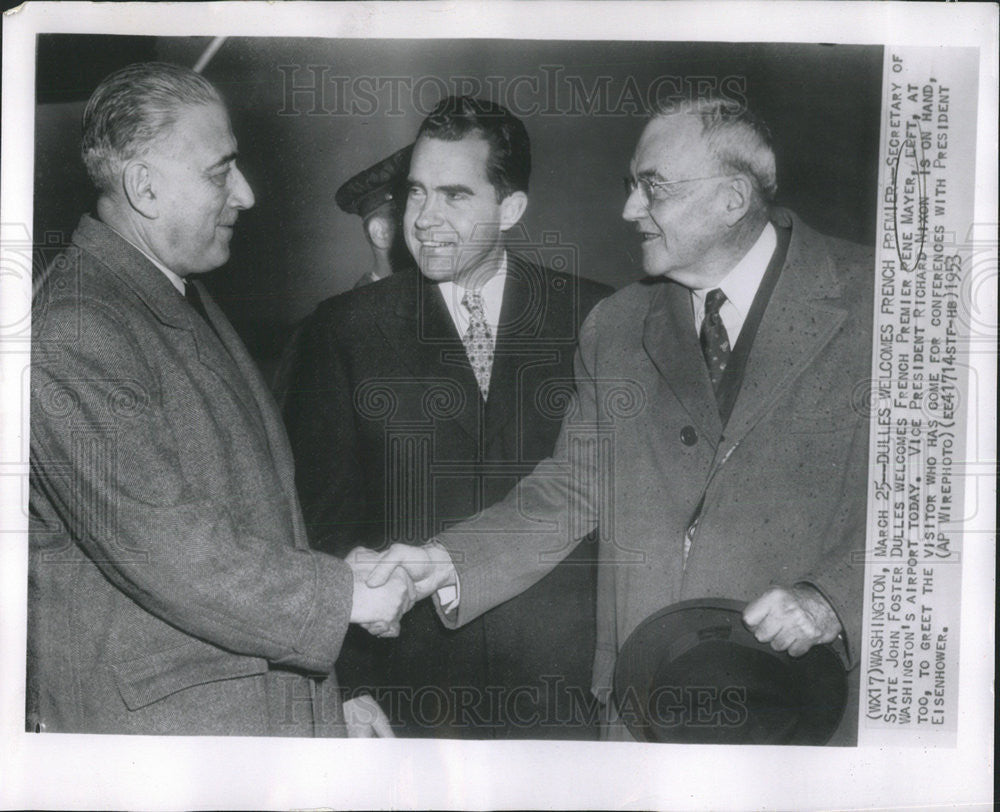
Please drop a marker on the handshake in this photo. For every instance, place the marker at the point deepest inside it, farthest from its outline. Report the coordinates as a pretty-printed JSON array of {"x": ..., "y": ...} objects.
[{"x": 387, "y": 584}]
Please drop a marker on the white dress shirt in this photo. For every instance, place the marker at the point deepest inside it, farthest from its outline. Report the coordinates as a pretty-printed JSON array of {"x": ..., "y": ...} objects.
[
  {"x": 175, "y": 280},
  {"x": 740, "y": 286},
  {"x": 492, "y": 293}
]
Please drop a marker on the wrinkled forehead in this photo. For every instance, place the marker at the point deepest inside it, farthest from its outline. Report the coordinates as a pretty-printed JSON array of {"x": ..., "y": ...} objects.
[{"x": 672, "y": 147}]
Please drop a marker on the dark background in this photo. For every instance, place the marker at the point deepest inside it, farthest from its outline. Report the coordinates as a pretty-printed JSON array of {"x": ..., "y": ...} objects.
[{"x": 295, "y": 247}]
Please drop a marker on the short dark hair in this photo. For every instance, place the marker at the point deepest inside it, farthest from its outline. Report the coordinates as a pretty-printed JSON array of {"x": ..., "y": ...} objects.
[
  {"x": 131, "y": 109},
  {"x": 508, "y": 166}
]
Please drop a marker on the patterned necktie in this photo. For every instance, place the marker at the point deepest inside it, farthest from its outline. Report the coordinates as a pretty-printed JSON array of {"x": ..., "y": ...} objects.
[
  {"x": 478, "y": 340},
  {"x": 714, "y": 339}
]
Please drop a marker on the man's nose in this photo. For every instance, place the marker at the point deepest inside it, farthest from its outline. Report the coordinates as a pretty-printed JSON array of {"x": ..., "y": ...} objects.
[
  {"x": 635, "y": 208},
  {"x": 428, "y": 215},
  {"x": 240, "y": 194}
]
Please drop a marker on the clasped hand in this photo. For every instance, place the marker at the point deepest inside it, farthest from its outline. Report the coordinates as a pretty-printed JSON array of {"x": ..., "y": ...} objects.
[
  {"x": 419, "y": 571},
  {"x": 379, "y": 607}
]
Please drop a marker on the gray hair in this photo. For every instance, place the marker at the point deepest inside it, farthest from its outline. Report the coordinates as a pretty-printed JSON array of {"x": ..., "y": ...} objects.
[
  {"x": 738, "y": 139},
  {"x": 133, "y": 108}
]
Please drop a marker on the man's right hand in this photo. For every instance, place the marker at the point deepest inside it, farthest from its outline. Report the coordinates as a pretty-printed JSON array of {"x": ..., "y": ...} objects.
[
  {"x": 380, "y": 606},
  {"x": 430, "y": 567}
]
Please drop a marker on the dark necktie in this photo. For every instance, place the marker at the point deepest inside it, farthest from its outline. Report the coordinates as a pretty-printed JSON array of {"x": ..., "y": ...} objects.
[
  {"x": 194, "y": 299},
  {"x": 714, "y": 339}
]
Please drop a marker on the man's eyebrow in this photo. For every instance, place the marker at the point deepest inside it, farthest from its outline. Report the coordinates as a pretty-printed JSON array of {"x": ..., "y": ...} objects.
[
  {"x": 225, "y": 159},
  {"x": 455, "y": 188}
]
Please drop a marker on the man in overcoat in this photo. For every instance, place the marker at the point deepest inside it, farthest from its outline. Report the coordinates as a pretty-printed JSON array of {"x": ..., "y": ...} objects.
[
  {"x": 172, "y": 590},
  {"x": 421, "y": 399},
  {"x": 718, "y": 442}
]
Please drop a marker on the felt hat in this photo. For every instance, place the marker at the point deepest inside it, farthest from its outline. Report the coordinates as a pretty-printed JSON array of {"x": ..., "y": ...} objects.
[{"x": 693, "y": 673}]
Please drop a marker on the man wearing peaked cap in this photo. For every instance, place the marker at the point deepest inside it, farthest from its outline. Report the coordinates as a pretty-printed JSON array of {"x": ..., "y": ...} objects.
[{"x": 374, "y": 195}]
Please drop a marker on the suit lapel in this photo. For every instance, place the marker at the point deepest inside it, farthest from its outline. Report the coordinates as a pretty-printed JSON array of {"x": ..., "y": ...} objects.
[
  {"x": 672, "y": 345},
  {"x": 222, "y": 351},
  {"x": 799, "y": 321},
  {"x": 261, "y": 399},
  {"x": 425, "y": 341},
  {"x": 519, "y": 321},
  {"x": 218, "y": 352},
  {"x": 166, "y": 303}
]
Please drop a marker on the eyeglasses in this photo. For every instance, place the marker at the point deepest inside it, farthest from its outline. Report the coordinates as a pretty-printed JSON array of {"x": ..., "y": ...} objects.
[{"x": 655, "y": 190}]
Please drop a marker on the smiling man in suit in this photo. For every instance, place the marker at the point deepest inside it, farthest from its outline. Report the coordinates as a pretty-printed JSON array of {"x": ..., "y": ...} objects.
[
  {"x": 731, "y": 459},
  {"x": 421, "y": 399},
  {"x": 171, "y": 589}
]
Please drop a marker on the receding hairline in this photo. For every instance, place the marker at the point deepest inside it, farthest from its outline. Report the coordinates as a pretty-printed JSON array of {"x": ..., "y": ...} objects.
[
  {"x": 652, "y": 134},
  {"x": 733, "y": 137},
  {"x": 135, "y": 110},
  {"x": 186, "y": 108}
]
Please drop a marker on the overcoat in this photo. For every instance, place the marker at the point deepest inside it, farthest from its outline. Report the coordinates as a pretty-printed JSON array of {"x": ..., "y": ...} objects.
[
  {"x": 172, "y": 589},
  {"x": 394, "y": 442},
  {"x": 687, "y": 508}
]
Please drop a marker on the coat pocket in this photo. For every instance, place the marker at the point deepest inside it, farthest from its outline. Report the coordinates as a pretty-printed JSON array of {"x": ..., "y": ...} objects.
[{"x": 148, "y": 679}]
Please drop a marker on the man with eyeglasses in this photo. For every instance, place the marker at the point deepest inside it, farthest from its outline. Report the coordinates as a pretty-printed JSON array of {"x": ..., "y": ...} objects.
[{"x": 716, "y": 442}]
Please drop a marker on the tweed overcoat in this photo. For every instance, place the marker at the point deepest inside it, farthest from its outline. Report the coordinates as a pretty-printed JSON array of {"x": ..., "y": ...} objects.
[
  {"x": 686, "y": 508},
  {"x": 171, "y": 587}
]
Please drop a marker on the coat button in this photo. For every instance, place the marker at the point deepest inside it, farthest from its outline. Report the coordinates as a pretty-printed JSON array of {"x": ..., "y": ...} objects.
[{"x": 688, "y": 435}]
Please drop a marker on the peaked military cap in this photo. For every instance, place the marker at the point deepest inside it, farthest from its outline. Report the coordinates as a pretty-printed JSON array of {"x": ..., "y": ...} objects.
[{"x": 375, "y": 186}]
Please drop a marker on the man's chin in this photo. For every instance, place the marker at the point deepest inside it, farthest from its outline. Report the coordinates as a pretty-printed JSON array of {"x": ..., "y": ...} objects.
[
  {"x": 655, "y": 268},
  {"x": 438, "y": 271},
  {"x": 216, "y": 259},
  {"x": 658, "y": 263}
]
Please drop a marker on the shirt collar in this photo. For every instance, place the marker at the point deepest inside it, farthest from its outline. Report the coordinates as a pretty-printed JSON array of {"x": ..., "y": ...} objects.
[
  {"x": 175, "y": 280},
  {"x": 741, "y": 283},
  {"x": 491, "y": 291}
]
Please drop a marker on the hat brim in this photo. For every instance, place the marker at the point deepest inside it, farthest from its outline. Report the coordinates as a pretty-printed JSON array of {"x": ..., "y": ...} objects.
[{"x": 692, "y": 673}]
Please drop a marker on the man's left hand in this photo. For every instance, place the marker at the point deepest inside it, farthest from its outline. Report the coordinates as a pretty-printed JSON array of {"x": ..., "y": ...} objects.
[
  {"x": 365, "y": 719},
  {"x": 792, "y": 620}
]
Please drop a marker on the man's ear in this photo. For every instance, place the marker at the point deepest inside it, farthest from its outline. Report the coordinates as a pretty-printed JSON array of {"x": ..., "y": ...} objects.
[
  {"x": 512, "y": 208},
  {"x": 380, "y": 232},
  {"x": 137, "y": 184},
  {"x": 739, "y": 198}
]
